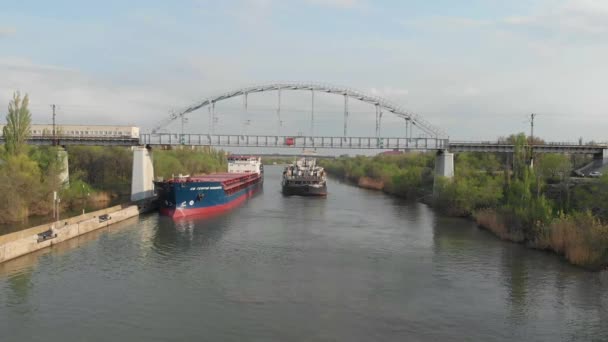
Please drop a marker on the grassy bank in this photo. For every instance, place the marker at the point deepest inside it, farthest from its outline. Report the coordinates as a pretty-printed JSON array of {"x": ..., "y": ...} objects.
[
  {"x": 99, "y": 177},
  {"x": 538, "y": 207}
]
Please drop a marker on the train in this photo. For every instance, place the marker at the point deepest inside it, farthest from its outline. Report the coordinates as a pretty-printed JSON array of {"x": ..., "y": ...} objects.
[{"x": 84, "y": 131}]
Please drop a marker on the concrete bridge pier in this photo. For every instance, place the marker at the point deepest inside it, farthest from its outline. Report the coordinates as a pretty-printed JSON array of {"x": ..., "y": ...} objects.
[
  {"x": 444, "y": 164},
  {"x": 142, "y": 178},
  {"x": 64, "y": 175},
  {"x": 444, "y": 167}
]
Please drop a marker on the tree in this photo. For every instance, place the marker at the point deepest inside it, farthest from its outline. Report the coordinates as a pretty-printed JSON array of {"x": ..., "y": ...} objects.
[
  {"x": 554, "y": 167},
  {"x": 520, "y": 156},
  {"x": 18, "y": 122},
  {"x": 20, "y": 184}
]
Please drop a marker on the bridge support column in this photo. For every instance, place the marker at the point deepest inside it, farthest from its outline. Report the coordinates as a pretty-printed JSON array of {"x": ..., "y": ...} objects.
[
  {"x": 601, "y": 156},
  {"x": 444, "y": 167},
  {"x": 444, "y": 164},
  {"x": 142, "y": 178},
  {"x": 64, "y": 175}
]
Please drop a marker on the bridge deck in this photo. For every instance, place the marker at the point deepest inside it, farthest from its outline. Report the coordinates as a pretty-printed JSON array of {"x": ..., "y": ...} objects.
[
  {"x": 299, "y": 142},
  {"x": 88, "y": 141},
  {"x": 331, "y": 142},
  {"x": 497, "y": 147}
]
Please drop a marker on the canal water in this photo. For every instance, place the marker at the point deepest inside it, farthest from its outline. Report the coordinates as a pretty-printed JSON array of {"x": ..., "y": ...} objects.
[{"x": 356, "y": 266}]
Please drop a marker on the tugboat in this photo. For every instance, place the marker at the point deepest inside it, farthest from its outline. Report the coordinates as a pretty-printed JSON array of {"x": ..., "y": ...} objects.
[
  {"x": 304, "y": 178},
  {"x": 211, "y": 194}
]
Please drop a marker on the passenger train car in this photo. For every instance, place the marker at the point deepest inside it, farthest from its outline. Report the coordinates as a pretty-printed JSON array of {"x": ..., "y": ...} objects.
[{"x": 84, "y": 131}]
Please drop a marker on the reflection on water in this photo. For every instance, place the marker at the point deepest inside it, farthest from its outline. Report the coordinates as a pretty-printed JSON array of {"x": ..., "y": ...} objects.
[{"x": 357, "y": 266}]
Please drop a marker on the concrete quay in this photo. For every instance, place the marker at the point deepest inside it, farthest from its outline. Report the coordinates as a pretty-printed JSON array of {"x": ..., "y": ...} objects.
[{"x": 27, "y": 241}]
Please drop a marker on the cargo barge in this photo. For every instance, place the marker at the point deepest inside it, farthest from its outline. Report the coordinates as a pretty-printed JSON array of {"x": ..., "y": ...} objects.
[
  {"x": 211, "y": 194},
  {"x": 304, "y": 178}
]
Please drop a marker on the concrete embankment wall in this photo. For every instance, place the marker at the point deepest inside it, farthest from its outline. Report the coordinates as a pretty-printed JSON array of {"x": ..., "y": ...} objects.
[{"x": 26, "y": 241}]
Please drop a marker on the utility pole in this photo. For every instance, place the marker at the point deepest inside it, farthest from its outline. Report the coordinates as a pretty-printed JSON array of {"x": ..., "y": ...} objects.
[
  {"x": 532, "y": 116},
  {"x": 54, "y": 131}
]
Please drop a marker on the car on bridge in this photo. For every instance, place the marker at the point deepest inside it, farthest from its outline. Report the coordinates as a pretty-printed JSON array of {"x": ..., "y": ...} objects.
[{"x": 595, "y": 174}]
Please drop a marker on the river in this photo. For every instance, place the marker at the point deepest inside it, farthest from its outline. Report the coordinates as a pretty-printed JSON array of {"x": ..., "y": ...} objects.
[{"x": 356, "y": 266}]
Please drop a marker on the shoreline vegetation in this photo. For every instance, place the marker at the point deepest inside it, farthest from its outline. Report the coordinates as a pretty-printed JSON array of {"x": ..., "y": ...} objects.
[
  {"x": 32, "y": 178},
  {"x": 539, "y": 207},
  {"x": 99, "y": 177}
]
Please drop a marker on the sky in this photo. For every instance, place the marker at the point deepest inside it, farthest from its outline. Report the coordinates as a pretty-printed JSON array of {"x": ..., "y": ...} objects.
[{"x": 476, "y": 68}]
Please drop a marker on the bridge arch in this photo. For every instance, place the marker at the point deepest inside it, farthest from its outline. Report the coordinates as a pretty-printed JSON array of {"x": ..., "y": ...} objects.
[{"x": 380, "y": 103}]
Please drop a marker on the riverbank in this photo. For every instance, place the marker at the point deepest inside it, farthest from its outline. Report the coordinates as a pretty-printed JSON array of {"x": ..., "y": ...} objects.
[
  {"x": 581, "y": 239},
  {"x": 509, "y": 203},
  {"x": 29, "y": 240}
]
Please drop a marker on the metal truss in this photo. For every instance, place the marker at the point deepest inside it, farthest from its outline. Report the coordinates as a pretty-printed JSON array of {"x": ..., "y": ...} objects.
[{"x": 379, "y": 102}]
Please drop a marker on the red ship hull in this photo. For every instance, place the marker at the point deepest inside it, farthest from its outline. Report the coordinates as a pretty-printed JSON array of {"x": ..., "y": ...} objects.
[{"x": 212, "y": 210}]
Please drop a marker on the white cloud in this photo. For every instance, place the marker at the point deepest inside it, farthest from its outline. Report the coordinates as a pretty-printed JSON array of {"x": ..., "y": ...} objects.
[
  {"x": 337, "y": 3},
  {"x": 253, "y": 14},
  {"x": 588, "y": 17},
  {"x": 571, "y": 18},
  {"x": 7, "y": 31},
  {"x": 81, "y": 99},
  {"x": 445, "y": 23},
  {"x": 16, "y": 64}
]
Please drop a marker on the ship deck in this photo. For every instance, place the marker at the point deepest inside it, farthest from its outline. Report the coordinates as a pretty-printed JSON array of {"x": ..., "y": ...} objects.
[{"x": 224, "y": 178}]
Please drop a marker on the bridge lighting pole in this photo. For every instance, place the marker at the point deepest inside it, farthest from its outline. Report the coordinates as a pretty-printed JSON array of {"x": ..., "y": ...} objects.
[
  {"x": 312, "y": 113},
  {"x": 407, "y": 127},
  {"x": 345, "y": 115}
]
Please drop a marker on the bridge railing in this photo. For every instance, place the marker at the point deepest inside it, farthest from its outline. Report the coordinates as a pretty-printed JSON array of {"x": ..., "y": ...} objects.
[
  {"x": 549, "y": 143},
  {"x": 287, "y": 141},
  {"x": 81, "y": 140},
  {"x": 504, "y": 147}
]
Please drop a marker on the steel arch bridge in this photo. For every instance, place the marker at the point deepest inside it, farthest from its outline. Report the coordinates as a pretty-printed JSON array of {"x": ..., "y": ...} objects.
[{"x": 381, "y": 105}]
